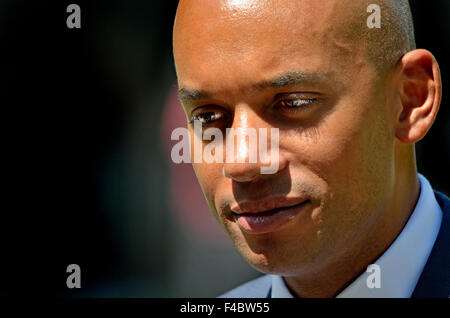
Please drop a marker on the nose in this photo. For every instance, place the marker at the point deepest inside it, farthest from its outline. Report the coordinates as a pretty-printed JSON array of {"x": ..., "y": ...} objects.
[
  {"x": 251, "y": 148},
  {"x": 241, "y": 172}
]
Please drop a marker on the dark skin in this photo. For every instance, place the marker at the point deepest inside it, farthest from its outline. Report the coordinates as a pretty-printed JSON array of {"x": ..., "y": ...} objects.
[{"x": 349, "y": 151}]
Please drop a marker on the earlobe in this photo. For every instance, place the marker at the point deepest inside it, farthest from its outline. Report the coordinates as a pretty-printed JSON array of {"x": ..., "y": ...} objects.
[{"x": 420, "y": 93}]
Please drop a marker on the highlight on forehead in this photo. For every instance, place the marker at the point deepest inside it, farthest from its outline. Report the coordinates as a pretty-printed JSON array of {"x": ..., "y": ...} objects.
[{"x": 241, "y": 4}]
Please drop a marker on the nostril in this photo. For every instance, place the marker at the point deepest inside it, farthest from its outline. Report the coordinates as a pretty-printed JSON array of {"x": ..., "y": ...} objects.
[
  {"x": 225, "y": 173},
  {"x": 240, "y": 174}
]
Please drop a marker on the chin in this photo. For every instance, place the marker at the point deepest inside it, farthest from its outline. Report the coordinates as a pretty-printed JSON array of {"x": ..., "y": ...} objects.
[
  {"x": 273, "y": 266},
  {"x": 272, "y": 260}
]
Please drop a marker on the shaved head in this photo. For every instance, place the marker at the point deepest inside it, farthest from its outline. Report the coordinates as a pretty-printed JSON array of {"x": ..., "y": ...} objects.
[
  {"x": 395, "y": 37},
  {"x": 384, "y": 46}
]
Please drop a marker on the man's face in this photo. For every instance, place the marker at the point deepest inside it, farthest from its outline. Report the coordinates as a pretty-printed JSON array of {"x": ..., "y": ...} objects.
[{"x": 298, "y": 66}]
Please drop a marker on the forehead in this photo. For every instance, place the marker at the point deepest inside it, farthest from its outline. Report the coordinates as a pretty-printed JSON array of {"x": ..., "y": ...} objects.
[{"x": 241, "y": 41}]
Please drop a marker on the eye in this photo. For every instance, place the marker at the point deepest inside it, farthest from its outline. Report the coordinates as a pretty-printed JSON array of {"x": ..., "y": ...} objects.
[
  {"x": 295, "y": 104},
  {"x": 207, "y": 117}
]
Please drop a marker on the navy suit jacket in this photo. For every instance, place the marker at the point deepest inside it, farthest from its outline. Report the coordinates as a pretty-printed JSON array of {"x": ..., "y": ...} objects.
[{"x": 434, "y": 282}]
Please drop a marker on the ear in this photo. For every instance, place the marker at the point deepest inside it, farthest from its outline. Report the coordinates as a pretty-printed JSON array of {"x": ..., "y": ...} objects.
[{"x": 420, "y": 91}]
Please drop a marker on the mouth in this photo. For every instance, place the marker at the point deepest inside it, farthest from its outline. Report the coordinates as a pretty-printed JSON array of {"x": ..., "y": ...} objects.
[{"x": 258, "y": 221}]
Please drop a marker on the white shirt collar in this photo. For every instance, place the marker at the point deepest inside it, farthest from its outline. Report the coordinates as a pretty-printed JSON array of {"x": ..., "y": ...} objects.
[{"x": 402, "y": 263}]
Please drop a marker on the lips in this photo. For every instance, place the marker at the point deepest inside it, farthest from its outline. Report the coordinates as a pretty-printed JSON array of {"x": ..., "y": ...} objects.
[{"x": 259, "y": 217}]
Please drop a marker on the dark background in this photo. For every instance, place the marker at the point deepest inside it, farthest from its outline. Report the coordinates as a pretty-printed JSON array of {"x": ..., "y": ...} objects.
[{"x": 85, "y": 167}]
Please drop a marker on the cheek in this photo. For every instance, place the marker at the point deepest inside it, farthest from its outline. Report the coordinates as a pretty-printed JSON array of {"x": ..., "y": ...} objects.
[
  {"x": 211, "y": 180},
  {"x": 359, "y": 167},
  {"x": 205, "y": 176},
  {"x": 332, "y": 151},
  {"x": 206, "y": 173},
  {"x": 351, "y": 152}
]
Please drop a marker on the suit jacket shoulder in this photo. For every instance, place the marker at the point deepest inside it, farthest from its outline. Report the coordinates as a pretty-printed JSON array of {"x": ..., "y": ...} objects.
[
  {"x": 434, "y": 281},
  {"x": 257, "y": 288}
]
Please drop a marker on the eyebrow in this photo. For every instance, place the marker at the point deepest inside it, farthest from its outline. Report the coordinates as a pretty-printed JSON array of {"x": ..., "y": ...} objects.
[
  {"x": 190, "y": 94},
  {"x": 290, "y": 78}
]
